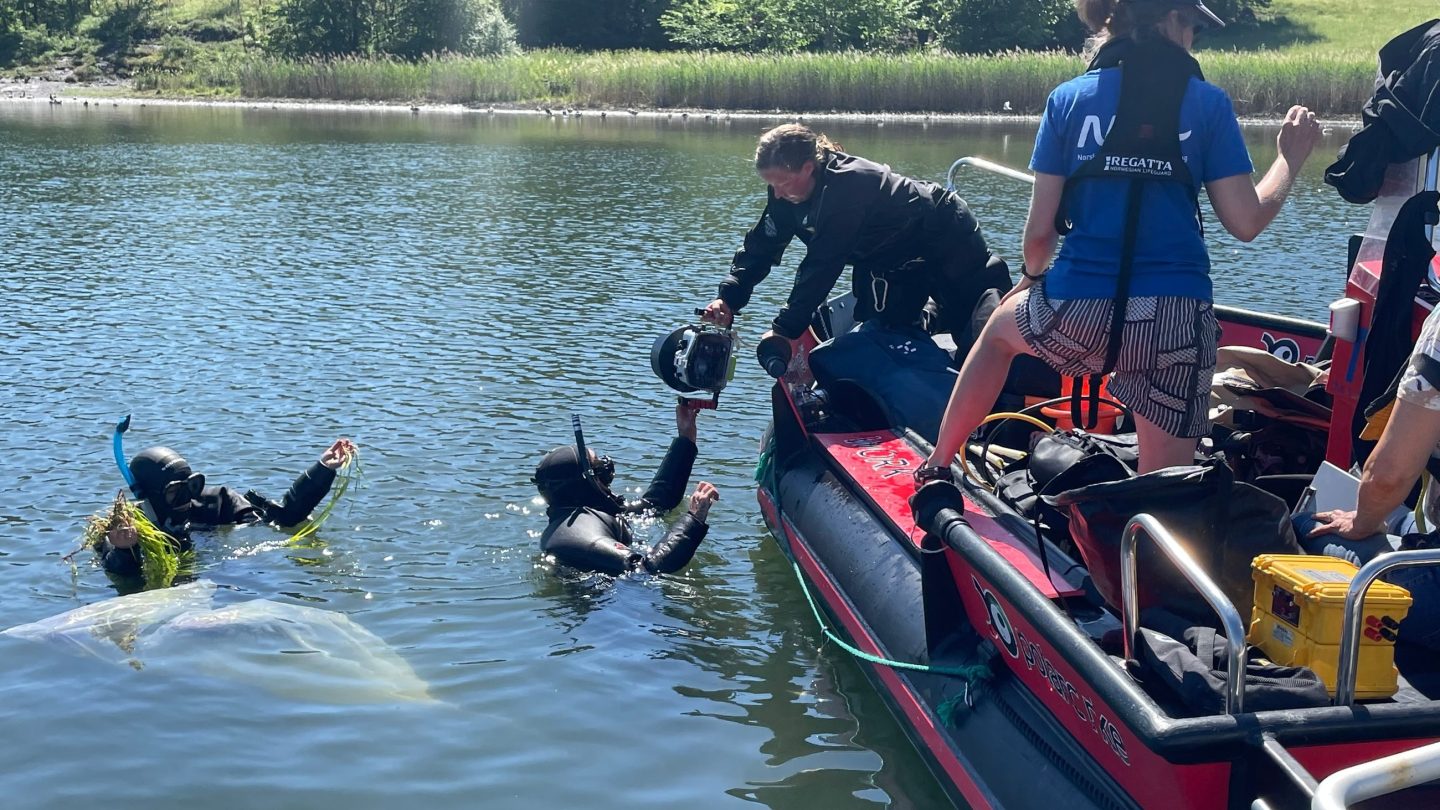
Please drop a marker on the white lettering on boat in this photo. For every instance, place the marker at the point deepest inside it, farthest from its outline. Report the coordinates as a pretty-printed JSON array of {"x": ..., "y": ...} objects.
[
  {"x": 884, "y": 460},
  {"x": 1019, "y": 647}
]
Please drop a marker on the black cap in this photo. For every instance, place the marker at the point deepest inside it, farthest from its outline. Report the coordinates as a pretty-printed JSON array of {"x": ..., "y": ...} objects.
[{"x": 1199, "y": 6}]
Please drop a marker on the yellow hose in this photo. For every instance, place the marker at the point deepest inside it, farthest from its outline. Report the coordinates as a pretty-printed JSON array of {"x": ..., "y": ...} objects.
[
  {"x": 997, "y": 417},
  {"x": 1420, "y": 526}
]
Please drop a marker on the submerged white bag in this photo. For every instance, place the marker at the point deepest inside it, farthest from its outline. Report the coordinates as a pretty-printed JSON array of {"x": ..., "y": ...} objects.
[{"x": 291, "y": 650}]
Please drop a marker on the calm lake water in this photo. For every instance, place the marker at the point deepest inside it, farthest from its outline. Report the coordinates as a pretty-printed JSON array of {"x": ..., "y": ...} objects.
[{"x": 445, "y": 290}]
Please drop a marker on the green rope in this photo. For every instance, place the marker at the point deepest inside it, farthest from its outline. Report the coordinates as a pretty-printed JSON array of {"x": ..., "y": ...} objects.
[
  {"x": 949, "y": 711},
  {"x": 762, "y": 464},
  {"x": 973, "y": 674}
]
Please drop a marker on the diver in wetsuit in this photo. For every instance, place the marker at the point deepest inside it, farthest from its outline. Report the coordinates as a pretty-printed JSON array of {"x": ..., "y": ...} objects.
[
  {"x": 176, "y": 500},
  {"x": 587, "y": 527}
]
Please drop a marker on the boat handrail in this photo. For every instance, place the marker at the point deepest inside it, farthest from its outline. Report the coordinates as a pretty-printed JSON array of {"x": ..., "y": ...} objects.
[
  {"x": 1378, "y": 777},
  {"x": 1355, "y": 608},
  {"x": 986, "y": 165},
  {"x": 1236, "y": 654}
]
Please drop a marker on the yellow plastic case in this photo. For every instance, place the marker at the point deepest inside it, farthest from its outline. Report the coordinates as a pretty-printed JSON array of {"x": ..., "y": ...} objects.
[{"x": 1299, "y": 615}]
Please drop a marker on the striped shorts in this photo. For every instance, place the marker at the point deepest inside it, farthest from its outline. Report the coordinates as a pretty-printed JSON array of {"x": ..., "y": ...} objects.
[{"x": 1167, "y": 352}]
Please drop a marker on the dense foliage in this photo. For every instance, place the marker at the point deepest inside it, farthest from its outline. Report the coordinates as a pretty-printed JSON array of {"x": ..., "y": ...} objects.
[
  {"x": 113, "y": 31},
  {"x": 409, "y": 29}
]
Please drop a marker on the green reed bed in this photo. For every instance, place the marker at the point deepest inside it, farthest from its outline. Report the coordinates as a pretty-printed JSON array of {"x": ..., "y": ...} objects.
[
  {"x": 846, "y": 82},
  {"x": 1268, "y": 82},
  {"x": 1262, "y": 83}
]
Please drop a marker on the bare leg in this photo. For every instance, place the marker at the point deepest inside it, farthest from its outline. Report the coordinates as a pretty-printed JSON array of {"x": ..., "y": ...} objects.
[
  {"x": 980, "y": 381},
  {"x": 1159, "y": 449}
]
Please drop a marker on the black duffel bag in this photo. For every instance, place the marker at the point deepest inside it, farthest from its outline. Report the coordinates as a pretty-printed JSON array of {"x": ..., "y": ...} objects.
[
  {"x": 1221, "y": 522},
  {"x": 1052, "y": 454},
  {"x": 1188, "y": 666},
  {"x": 1064, "y": 460}
]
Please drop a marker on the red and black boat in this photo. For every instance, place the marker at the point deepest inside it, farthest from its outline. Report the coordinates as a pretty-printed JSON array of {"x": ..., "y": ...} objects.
[{"x": 985, "y": 635}]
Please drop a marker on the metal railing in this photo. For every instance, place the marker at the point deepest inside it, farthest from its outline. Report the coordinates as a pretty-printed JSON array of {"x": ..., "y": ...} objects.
[
  {"x": 1378, "y": 777},
  {"x": 986, "y": 165},
  {"x": 1346, "y": 671},
  {"x": 1236, "y": 654}
]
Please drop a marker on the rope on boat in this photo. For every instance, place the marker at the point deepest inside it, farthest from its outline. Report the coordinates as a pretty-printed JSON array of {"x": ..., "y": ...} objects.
[
  {"x": 762, "y": 464},
  {"x": 974, "y": 675}
]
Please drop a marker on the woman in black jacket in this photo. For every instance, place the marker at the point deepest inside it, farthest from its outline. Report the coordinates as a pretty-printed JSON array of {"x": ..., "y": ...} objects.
[{"x": 908, "y": 240}]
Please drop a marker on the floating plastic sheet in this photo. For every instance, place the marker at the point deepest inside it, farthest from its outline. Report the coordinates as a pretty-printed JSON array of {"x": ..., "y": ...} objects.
[{"x": 291, "y": 650}]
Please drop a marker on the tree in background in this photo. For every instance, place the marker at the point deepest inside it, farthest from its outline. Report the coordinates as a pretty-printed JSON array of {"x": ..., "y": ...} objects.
[
  {"x": 790, "y": 25},
  {"x": 589, "y": 24},
  {"x": 962, "y": 26},
  {"x": 418, "y": 27},
  {"x": 1238, "y": 12},
  {"x": 983, "y": 26},
  {"x": 33, "y": 30},
  {"x": 406, "y": 28},
  {"x": 319, "y": 27}
]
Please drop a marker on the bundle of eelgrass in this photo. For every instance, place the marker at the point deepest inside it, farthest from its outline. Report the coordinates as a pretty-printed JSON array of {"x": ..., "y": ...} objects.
[
  {"x": 348, "y": 472},
  {"x": 160, "y": 557}
]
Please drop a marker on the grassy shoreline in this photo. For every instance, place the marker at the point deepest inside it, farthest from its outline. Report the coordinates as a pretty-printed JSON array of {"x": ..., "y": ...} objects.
[{"x": 1261, "y": 83}]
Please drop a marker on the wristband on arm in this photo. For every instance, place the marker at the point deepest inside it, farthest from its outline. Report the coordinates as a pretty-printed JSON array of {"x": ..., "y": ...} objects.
[{"x": 927, "y": 474}]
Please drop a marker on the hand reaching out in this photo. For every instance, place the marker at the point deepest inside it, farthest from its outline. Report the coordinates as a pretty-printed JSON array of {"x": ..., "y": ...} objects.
[
  {"x": 719, "y": 313},
  {"x": 1299, "y": 133},
  {"x": 337, "y": 454},
  {"x": 704, "y": 496},
  {"x": 686, "y": 412},
  {"x": 122, "y": 536}
]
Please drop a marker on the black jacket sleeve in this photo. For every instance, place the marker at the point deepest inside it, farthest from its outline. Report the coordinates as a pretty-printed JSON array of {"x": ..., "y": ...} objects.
[
  {"x": 300, "y": 500},
  {"x": 678, "y": 547},
  {"x": 839, "y": 212},
  {"x": 668, "y": 487},
  {"x": 763, "y": 248}
]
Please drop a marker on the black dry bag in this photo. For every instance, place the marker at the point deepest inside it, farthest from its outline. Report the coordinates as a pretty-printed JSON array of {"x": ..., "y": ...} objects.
[{"x": 1221, "y": 522}]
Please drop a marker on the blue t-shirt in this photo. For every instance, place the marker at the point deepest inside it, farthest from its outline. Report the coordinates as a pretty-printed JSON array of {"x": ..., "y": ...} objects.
[{"x": 1170, "y": 256}]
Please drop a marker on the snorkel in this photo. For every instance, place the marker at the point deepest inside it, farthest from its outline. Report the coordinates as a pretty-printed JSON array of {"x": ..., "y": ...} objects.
[
  {"x": 569, "y": 478},
  {"x": 117, "y": 445},
  {"x": 583, "y": 456}
]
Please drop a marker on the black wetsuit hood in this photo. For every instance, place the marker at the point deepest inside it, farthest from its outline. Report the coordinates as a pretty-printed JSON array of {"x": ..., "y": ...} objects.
[
  {"x": 563, "y": 484},
  {"x": 154, "y": 468}
]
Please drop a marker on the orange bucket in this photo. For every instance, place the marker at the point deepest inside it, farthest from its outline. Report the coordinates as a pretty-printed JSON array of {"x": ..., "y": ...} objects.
[{"x": 1060, "y": 412}]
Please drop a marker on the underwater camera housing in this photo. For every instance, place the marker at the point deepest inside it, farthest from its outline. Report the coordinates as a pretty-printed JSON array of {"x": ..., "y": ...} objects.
[{"x": 695, "y": 360}]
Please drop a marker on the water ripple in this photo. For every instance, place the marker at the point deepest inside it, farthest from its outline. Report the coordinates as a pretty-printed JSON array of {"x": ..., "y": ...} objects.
[{"x": 251, "y": 284}]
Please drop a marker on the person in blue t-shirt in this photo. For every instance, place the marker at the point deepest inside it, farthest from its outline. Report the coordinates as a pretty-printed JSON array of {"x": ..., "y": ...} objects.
[{"x": 1166, "y": 352}]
